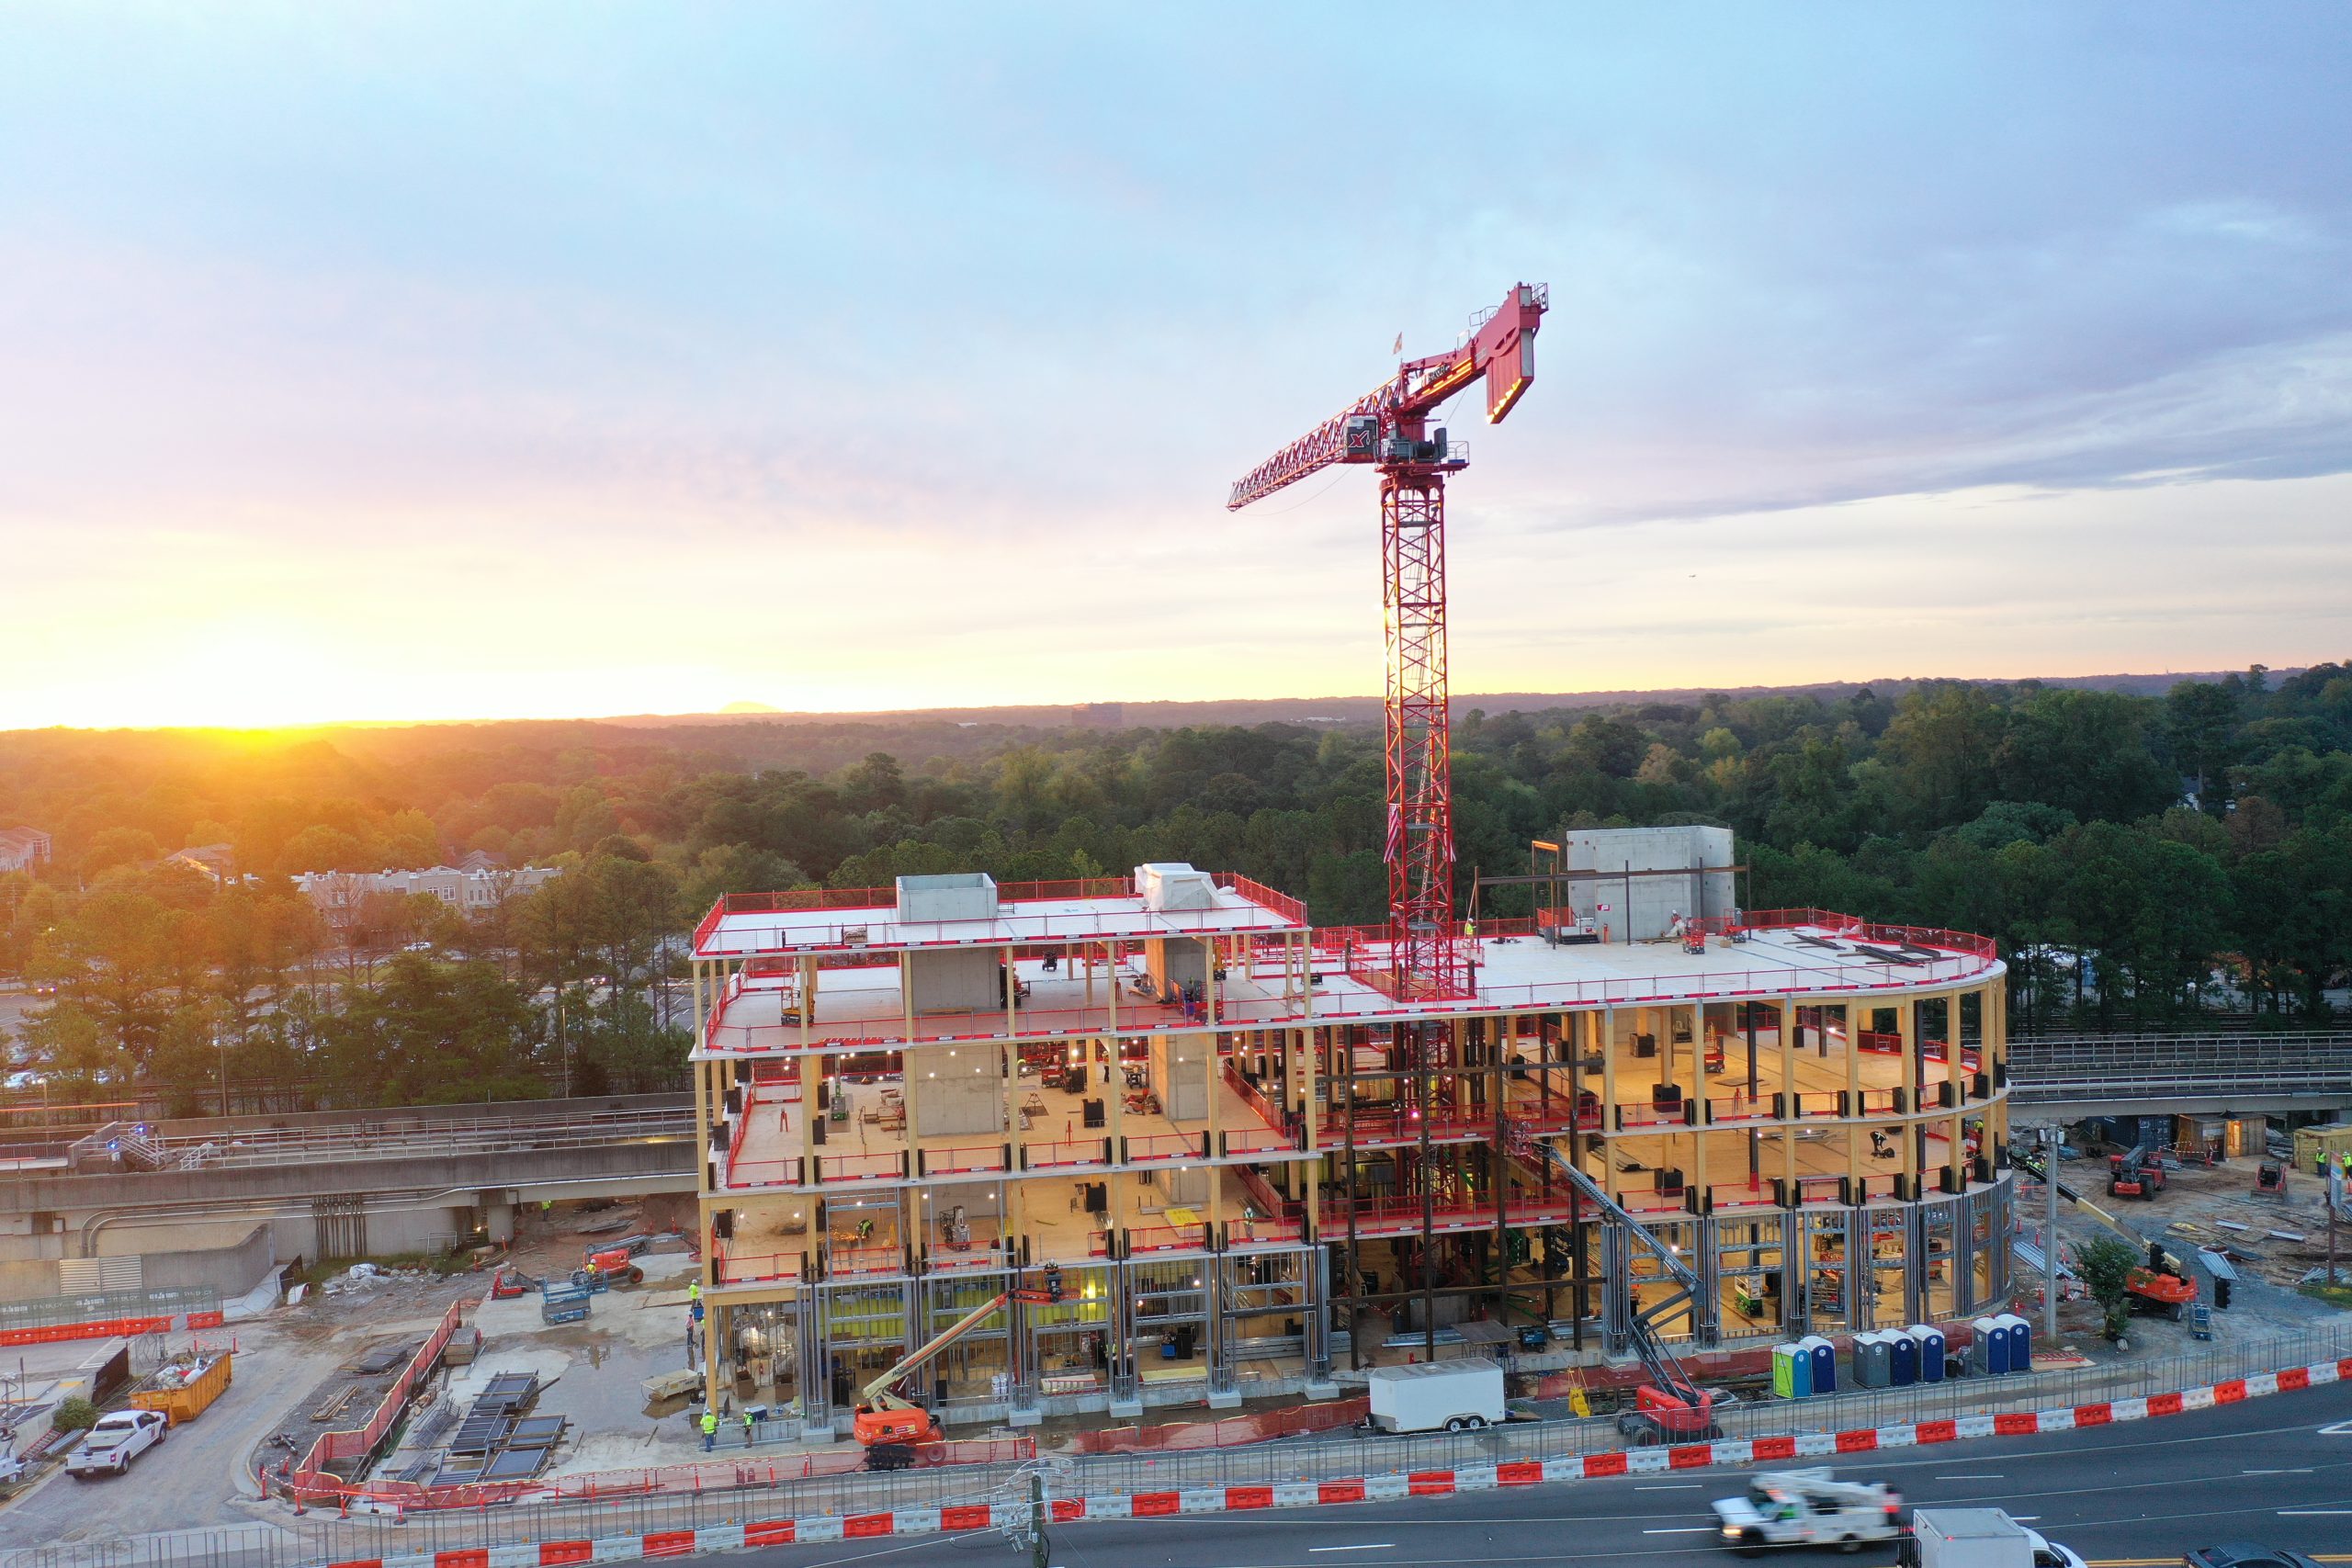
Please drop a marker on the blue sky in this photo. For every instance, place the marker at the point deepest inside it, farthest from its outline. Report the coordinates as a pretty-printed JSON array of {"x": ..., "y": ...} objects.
[{"x": 443, "y": 361}]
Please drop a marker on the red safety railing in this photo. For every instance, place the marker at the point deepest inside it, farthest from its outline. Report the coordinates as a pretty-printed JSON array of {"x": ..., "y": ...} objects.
[
  {"x": 1400, "y": 1216},
  {"x": 1161, "y": 1148},
  {"x": 1065, "y": 1155},
  {"x": 1872, "y": 931},
  {"x": 1283, "y": 904},
  {"x": 1743, "y": 1107},
  {"x": 313, "y": 1477},
  {"x": 1256, "y": 1140},
  {"x": 953, "y": 1260},
  {"x": 1816, "y": 1103},
  {"x": 1553, "y": 1115},
  {"x": 848, "y": 1262},
  {"x": 876, "y": 1023},
  {"x": 765, "y": 1172},
  {"x": 1655, "y": 1113},
  {"x": 1261, "y": 1193},
  {"x": 966, "y": 1159},
  {"x": 1743, "y": 1195},
  {"x": 1879, "y": 1186},
  {"x": 1654, "y": 1201},
  {"x": 1820, "y": 1190},
  {"x": 1167, "y": 1238},
  {"x": 757, "y": 1268},
  {"x": 1879, "y": 1102},
  {"x": 1391, "y": 1125},
  {"x": 832, "y": 1168},
  {"x": 1264, "y": 1232},
  {"x": 1098, "y": 1244},
  {"x": 1253, "y": 1097}
]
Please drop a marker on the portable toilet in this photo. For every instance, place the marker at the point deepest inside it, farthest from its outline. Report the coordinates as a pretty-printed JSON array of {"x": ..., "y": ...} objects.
[
  {"x": 1873, "y": 1359},
  {"x": 1990, "y": 1354},
  {"x": 1792, "y": 1371},
  {"x": 1931, "y": 1351},
  {"x": 1903, "y": 1356},
  {"x": 2020, "y": 1343},
  {"x": 1824, "y": 1364}
]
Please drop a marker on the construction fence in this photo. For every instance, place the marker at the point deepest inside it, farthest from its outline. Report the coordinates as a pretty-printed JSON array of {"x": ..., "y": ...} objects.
[{"x": 324, "y": 1538}]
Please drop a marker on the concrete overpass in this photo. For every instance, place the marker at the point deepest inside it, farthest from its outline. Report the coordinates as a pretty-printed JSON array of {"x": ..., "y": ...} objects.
[
  {"x": 2189, "y": 1075},
  {"x": 343, "y": 1183},
  {"x": 340, "y": 1183}
]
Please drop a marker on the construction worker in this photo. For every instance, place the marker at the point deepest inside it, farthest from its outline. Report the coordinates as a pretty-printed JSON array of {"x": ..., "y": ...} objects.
[
  {"x": 709, "y": 1431},
  {"x": 747, "y": 1426},
  {"x": 693, "y": 1291}
]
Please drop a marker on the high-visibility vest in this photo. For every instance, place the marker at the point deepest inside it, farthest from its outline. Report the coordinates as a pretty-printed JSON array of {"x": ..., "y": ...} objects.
[{"x": 709, "y": 1423}]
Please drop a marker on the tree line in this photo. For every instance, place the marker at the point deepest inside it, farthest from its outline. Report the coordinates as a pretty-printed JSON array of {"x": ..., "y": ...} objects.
[{"x": 2139, "y": 859}]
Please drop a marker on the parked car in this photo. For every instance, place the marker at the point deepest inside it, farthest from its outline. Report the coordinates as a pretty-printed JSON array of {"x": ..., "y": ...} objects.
[
  {"x": 2246, "y": 1555},
  {"x": 108, "y": 1448}
]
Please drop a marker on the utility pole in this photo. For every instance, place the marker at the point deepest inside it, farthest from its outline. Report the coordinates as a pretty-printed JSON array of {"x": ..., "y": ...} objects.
[
  {"x": 2052, "y": 1137},
  {"x": 2333, "y": 1196},
  {"x": 1037, "y": 1551}
]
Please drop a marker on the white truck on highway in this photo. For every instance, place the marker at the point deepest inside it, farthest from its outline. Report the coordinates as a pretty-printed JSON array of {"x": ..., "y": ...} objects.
[
  {"x": 1809, "y": 1507},
  {"x": 1457, "y": 1396},
  {"x": 108, "y": 1448},
  {"x": 1980, "y": 1538}
]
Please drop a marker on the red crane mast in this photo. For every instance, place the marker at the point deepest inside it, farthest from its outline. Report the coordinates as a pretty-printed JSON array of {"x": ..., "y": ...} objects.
[{"x": 1388, "y": 427}]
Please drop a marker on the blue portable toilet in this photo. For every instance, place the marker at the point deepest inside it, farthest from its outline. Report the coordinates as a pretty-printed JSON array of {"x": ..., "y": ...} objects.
[
  {"x": 1873, "y": 1359},
  {"x": 1905, "y": 1358},
  {"x": 2020, "y": 1343},
  {"x": 1931, "y": 1351},
  {"x": 1825, "y": 1364}
]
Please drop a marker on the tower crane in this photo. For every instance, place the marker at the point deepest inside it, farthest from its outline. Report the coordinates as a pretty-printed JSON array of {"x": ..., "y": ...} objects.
[{"x": 1388, "y": 428}]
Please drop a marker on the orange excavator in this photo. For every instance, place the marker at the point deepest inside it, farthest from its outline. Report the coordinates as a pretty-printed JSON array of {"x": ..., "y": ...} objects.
[{"x": 884, "y": 1418}]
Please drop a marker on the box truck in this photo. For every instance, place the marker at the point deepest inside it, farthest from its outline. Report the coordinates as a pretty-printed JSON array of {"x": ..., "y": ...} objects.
[{"x": 1980, "y": 1538}]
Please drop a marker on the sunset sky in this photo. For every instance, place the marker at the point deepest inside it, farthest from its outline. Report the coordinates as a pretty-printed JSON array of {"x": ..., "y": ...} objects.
[{"x": 458, "y": 361}]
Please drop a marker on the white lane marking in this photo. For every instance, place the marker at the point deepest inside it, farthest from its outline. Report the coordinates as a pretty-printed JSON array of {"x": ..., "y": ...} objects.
[
  {"x": 1677, "y": 1487},
  {"x": 1972, "y": 1476},
  {"x": 2027, "y": 1518},
  {"x": 2314, "y": 1513},
  {"x": 1367, "y": 1546},
  {"x": 1685, "y": 1529},
  {"x": 2305, "y": 1471}
]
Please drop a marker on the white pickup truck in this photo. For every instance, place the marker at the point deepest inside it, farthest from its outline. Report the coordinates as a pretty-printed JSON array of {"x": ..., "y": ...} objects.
[
  {"x": 1809, "y": 1507},
  {"x": 108, "y": 1448}
]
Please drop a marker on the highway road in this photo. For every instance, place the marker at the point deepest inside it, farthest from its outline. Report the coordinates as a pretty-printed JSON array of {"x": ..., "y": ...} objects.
[{"x": 2274, "y": 1470}]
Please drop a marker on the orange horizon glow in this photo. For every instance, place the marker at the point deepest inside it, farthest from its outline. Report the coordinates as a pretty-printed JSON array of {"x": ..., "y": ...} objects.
[{"x": 322, "y": 634}]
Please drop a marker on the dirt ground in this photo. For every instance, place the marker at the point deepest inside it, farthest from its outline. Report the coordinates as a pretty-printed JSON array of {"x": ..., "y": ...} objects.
[
  {"x": 2272, "y": 1241},
  {"x": 294, "y": 1361}
]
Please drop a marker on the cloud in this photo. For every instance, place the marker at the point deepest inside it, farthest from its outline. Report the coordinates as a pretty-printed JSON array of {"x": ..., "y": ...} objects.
[{"x": 847, "y": 322}]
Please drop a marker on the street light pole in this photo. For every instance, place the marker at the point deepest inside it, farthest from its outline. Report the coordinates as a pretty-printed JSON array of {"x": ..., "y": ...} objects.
[{"x": 2052, "y": 1137}]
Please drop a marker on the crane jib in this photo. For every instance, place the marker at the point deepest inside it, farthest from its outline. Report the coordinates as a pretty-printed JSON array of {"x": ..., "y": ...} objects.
[{"x": 1500, "y": 347}]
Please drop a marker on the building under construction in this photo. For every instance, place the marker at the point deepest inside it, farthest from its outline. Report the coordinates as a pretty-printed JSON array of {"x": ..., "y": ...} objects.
[
  {"x": 1240, "y": 1159},
  {"x": 1183, "y": 1146}
]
